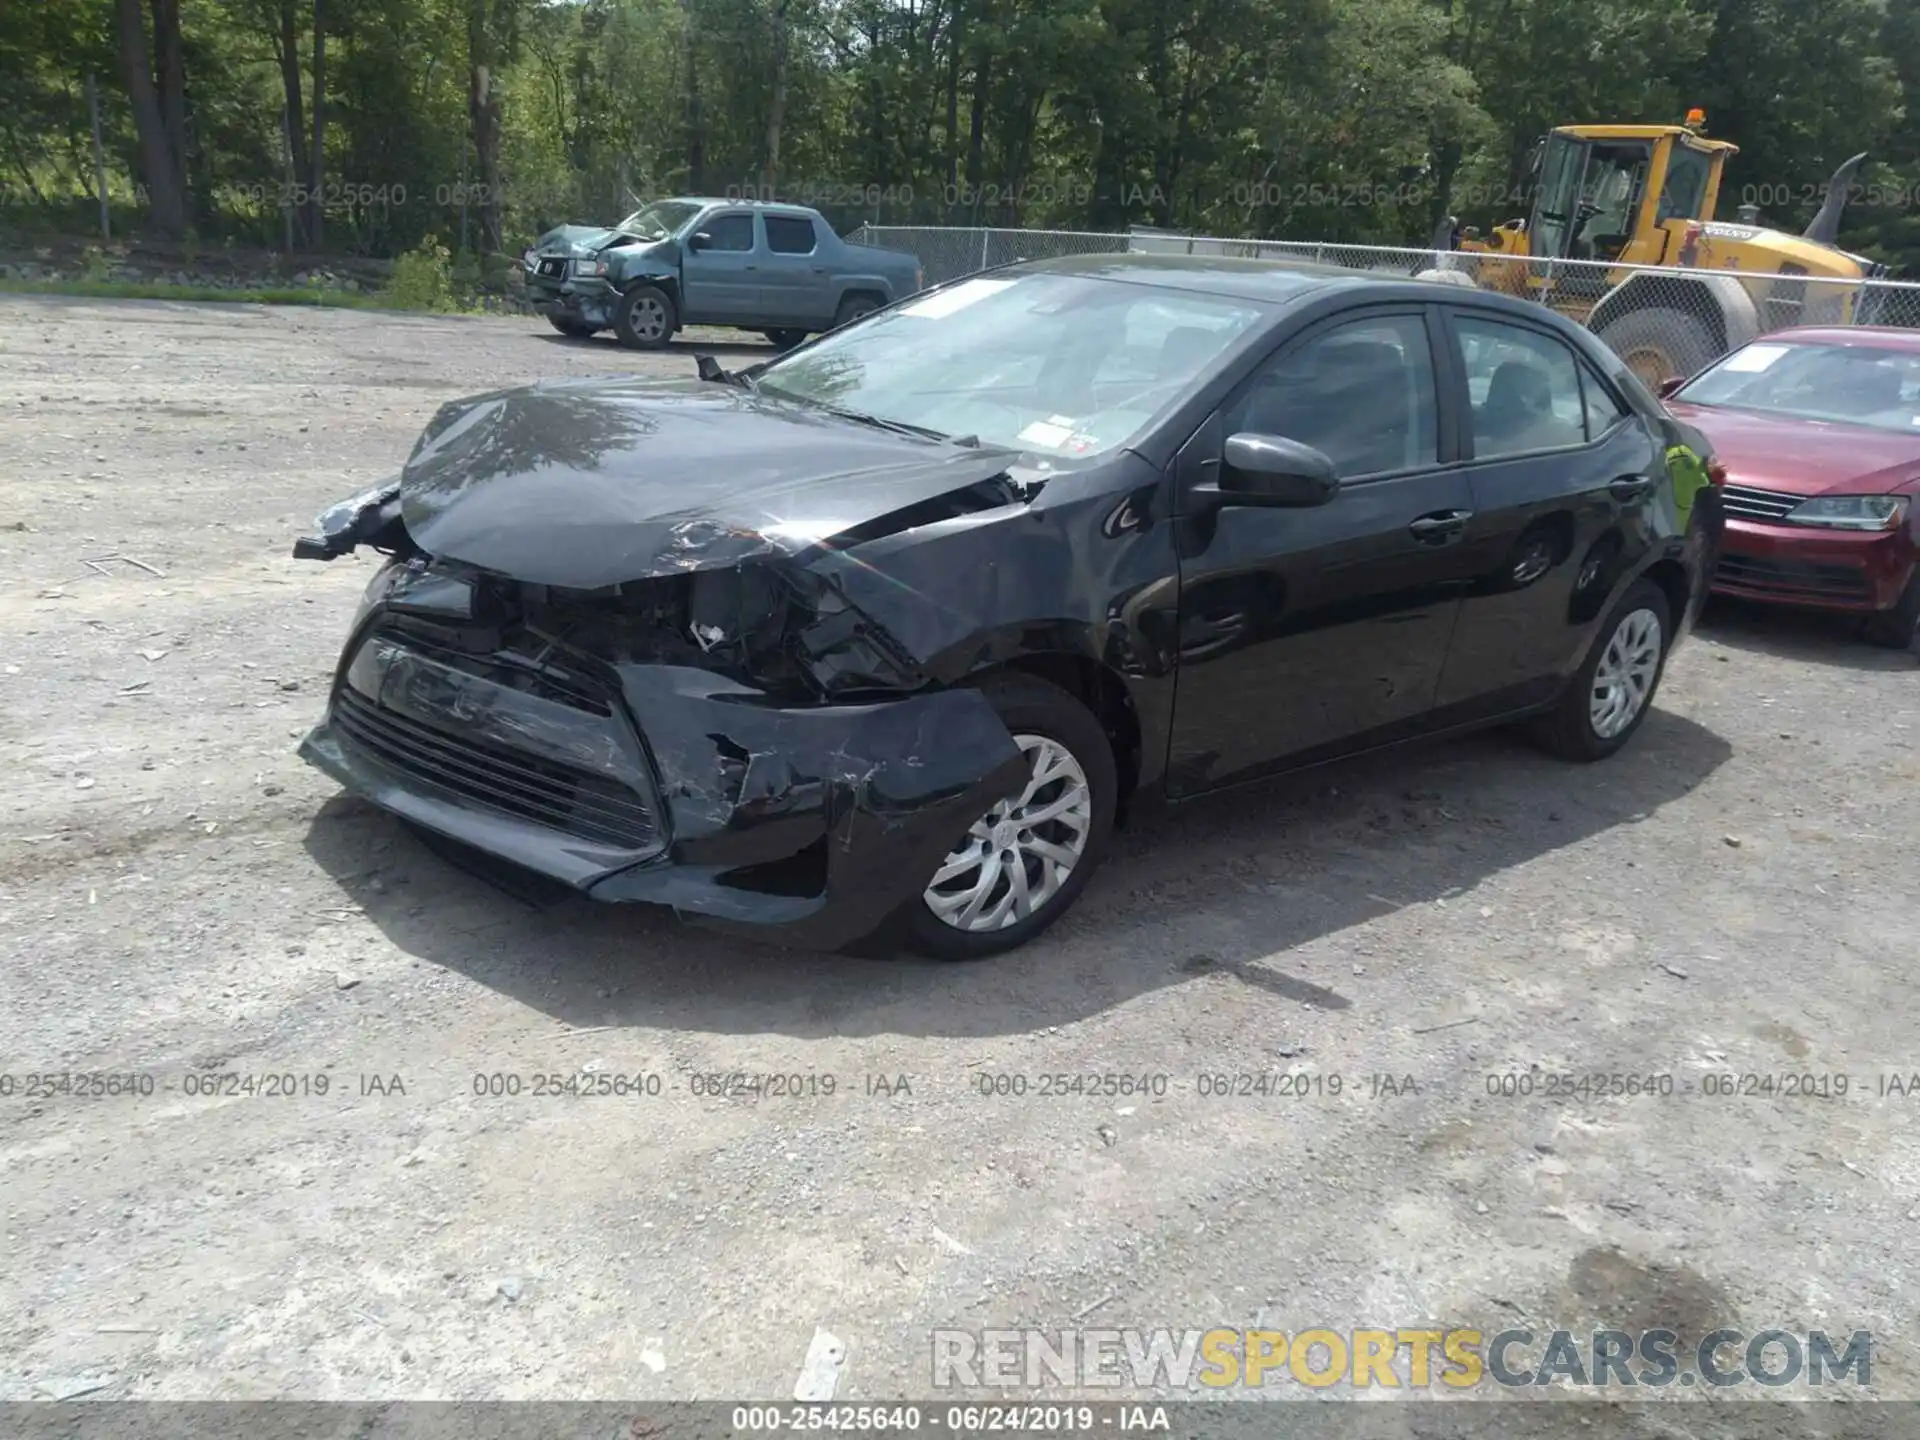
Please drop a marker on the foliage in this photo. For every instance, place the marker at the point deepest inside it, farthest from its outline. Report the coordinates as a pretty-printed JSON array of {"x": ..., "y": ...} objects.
[
  {"x": 422, "y": 278},
  {"x": 487, "y": 121}
]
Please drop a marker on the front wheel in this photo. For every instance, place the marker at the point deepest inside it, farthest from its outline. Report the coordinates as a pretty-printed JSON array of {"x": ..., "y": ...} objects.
[
  {"x": 1614, "y": 689},
  {"x": 576, "y": 329},
  {"x": 1658, "y": 343},
  {"x": 645, "y": 318},
  {"x": 1899, "y": 628},
  {"x": 1023, "y": 863},
  {"x": 854, "y": 307},
  {"x": 784, "y": 339}
]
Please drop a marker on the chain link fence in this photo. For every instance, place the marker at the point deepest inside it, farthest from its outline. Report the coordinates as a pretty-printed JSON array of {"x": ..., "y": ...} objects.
[{"x": 1663, "y": 320}]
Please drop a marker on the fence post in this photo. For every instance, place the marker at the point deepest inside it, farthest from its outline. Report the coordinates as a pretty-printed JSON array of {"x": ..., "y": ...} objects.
[
  {"x": 99, "y": 158},
  {"x": 985, "y": 235}
]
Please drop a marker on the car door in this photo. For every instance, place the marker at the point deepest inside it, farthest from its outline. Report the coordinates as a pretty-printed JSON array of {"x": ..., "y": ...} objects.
[
  {"x": 720, "y": 275},
  {"x": 1563, "y": 478},
  {"x": 1307, "y": 631},
  {"x": 795, "y": 285}
]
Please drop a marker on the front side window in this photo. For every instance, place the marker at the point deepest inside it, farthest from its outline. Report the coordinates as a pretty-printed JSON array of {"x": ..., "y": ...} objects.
[
  {"x": 1685, "y": 190},
  {"x": 1851, "y": 384},
  {"x": 1064, "y": 367},
  {"x": 1523, "y": 389},
  {"x": 1361, "y": 393},
  {"x": 732, "y": 231}
]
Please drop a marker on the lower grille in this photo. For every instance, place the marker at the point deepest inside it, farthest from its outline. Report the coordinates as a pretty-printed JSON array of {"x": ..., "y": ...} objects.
[
  {"x": 1743, "y": 502},
  {"x": 553, "y": 267},
  {"x": 509, "y": 782},
  {"x": 1795, "y": 579}
]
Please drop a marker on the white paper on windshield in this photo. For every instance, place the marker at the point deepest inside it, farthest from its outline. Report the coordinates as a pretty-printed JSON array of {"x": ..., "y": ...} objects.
[
  {"x": 1756, "y": 358},
  {"x": 1042, "y": 432},
  {"x": 958, "y": 297}
]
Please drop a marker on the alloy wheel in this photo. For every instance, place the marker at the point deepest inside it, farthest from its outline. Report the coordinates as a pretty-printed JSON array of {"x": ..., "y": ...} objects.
[
  {"x": 1624, "y": 677},
  {"x": 1017, "y": 856},
  {"x": 648, "y": 318}
]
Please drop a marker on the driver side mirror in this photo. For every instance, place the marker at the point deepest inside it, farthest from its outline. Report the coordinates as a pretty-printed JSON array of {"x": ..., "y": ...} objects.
[
  {"x": 1669, "y": 385},
  {"x": 700, "y": 240},
  {"x": 1272, "y": 472}
]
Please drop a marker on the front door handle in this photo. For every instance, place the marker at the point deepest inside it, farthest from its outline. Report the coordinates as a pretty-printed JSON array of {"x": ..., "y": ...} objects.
[
  {"x": 1629, "y": 487},
  {"x": 1442, "y": 527}
]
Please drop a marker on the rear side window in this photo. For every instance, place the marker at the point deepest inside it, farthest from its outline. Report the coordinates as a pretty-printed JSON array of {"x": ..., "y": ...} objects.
[
  {"x": 789, "y": 234},
  {"x": 1523, "y": 388},
  {"x": 1361, "y": 393},
  {"x": 730, "y": 232}
]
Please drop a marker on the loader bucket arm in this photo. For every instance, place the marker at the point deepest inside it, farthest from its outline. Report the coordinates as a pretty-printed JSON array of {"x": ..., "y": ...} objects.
[{"x": 1825, "y": 228}]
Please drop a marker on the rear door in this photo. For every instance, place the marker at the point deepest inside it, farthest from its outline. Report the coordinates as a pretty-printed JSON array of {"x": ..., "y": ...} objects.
[
  {"x": 795, "y": 285},
  {"x": 1564, "y": 480},
  {"x": 1305, "y": 632},
  {"x": 720, "y": 282}
]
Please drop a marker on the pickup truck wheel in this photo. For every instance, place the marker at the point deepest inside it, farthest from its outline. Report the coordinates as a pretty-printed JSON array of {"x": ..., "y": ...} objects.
[
  {"x": 854, "y": 307},
  {"x": 784, "y": 339},
  {"x": 645, "y": 318},
  {"x": 578, "y": 329}
]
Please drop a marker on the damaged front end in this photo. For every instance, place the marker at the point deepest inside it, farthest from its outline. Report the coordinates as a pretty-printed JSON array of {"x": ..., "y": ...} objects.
[{"x": 732, "y": 738}]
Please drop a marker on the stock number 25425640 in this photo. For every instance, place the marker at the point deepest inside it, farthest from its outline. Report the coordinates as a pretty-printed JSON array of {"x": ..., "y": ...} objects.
[{"x": 1105, "y": 1083}]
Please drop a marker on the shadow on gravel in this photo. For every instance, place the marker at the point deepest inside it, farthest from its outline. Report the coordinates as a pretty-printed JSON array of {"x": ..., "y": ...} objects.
[
  {"x": 1816, "y": 637},
  {"x": 1227, "y": 883}
]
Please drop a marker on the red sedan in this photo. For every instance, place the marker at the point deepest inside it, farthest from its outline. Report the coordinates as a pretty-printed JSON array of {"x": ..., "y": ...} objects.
[{"x": 1819, "y": 431}]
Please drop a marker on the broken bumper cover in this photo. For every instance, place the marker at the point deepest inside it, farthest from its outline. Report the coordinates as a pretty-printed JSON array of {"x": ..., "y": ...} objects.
[
  {"x": 574, "y": 298},
  {"x": 684, "y": 789}
]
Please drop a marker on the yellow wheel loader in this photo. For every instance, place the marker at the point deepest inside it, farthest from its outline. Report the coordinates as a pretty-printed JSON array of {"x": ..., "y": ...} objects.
[{"x": 1612, "y": 197}]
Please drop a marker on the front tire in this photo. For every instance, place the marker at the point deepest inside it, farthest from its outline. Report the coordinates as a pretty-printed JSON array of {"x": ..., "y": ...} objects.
[
  {"x": 1614, "y": 689},
  {"x": 784, "y": 339},
  {"x": 1021, "y": 865},
  {"x": 854, "y": 307},
  {"x": 1658, "y": 342},
  {"x": 1898, "y": 628},
  {"x": 645, "y": 318},
  {"x": 574, "y": 329}
]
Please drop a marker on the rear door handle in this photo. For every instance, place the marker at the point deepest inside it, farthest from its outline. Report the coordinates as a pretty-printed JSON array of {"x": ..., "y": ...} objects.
[
  {"x": 1629, "y": 487},
  {"x": 1442, "y": 527}
]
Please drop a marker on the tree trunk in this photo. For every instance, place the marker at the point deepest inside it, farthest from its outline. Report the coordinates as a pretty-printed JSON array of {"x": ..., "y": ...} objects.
[
  {"x": 317, "y": 167},
  {"x": 287, "y": 52},
  {"x": 172, "y": 77},
  {"x": 696, "y": 131},
  {"x": 777, "y": 109},
  {"x": 954, "y": 37},
  {"x": 982, "y": 81},
  {"x": 166, "y": 199}
]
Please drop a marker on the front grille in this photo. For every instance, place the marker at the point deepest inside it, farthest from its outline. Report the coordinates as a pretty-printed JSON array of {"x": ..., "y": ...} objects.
[
  {"x": 554, "y": 266},
  {"x": 509, "y": 782},
  {"x": 1795, "y": 579},
  {"x": 1743, "y": 502}
]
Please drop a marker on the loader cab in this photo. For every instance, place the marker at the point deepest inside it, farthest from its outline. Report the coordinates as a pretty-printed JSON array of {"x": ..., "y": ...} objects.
[{"x": 1622, "y": 194}]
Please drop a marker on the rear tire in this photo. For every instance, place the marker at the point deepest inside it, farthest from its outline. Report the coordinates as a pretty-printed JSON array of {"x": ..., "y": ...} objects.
[
  {"x": 645, "y": 318},
  {"x": 1898, "y": 628},
  {"x": 1068, "y": 747},
  {"x": 1614, "y": 688},
  {"x": 576, "y": 329},
  {"x": 1658, "y": 342},
  {"x": 854, "y": 307}
]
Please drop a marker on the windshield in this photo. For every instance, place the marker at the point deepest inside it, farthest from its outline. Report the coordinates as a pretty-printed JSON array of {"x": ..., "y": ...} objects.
[
  {"x": 1853, "y": 384},
  {"x": 1064, "y": 367},
  {"x": 658, "y": 220}
]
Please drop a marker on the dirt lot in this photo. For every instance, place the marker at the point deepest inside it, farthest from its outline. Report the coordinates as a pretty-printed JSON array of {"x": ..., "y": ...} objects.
[{"x": 180, "y": 898}]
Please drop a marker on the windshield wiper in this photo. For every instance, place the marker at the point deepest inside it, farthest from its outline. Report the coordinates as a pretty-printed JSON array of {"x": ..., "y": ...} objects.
[{"x": 880, "y": 422}]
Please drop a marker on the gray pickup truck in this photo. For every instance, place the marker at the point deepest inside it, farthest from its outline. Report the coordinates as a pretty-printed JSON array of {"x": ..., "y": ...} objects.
[{"x": 778, "y": 269}]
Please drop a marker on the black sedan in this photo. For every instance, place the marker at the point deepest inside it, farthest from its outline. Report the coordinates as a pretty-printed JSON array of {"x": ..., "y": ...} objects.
[{"x": 881, "y": 639}]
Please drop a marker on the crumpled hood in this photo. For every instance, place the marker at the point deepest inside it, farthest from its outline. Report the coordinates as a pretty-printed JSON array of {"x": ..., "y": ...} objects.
[
  {"x": 585, "y": 483},
  {"x": 579, "y": 241}
]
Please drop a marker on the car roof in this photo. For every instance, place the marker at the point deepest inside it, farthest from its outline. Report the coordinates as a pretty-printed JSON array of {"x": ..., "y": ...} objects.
[
  {"x": 1875, "y": 337},
  {"x": 771, "y": 207}
]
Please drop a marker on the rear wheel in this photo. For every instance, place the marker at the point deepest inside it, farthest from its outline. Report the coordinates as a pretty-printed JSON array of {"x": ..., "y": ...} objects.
[
  {"x": 1659, "y": 342},
  {"x": 1614, "y": 689},
  {"x": 854, "y": 307},
  {"x": 578, "y": 329},
  {"x": 1023, "y": 863},
  {"x": 645, "y": 318},
  {"x": 1899, "y": 628}
]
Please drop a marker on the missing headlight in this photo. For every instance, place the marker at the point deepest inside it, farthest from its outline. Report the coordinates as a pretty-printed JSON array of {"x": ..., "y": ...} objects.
[{"x": 740, "y": 611}]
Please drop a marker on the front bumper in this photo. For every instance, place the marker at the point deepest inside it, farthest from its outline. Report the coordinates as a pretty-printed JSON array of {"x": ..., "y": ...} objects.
[
  {"x": 568, "y": 297},
  {"x": 673, "y": 786},
  {"x": 1860, "y": 571}
]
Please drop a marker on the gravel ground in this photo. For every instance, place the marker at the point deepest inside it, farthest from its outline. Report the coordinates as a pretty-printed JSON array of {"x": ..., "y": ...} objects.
[{"x": 180, "y": 899}]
